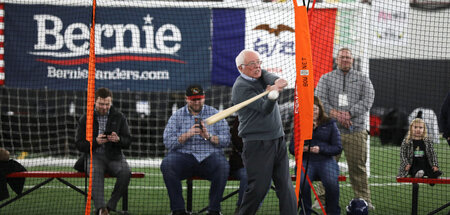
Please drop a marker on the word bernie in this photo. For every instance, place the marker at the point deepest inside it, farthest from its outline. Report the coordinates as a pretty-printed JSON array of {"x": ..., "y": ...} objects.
[{"x": 75, "y": 38}]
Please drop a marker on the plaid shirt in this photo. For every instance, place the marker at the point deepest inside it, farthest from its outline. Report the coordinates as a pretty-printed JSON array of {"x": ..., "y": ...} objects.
[
  {"x": 102, "y": 120},
  {"x": 181, "y": 121}
]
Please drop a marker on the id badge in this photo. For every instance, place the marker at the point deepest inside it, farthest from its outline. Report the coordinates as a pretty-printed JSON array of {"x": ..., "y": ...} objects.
[{"x": 343, "y": 100}]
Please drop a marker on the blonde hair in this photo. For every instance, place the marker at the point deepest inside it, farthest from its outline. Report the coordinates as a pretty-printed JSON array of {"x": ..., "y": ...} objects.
[{"x": 417, "y": 120}]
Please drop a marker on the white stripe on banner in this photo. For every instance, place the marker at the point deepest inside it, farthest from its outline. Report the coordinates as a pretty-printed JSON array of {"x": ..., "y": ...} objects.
[
  {"x": 271, "y": 33},
  {"x": 2, "y": 76}
]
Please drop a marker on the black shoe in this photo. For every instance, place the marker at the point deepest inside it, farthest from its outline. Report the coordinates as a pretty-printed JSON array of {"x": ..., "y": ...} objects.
[
  {"x": 214, "y": 213},
  {"x": 436, "y": 174}
]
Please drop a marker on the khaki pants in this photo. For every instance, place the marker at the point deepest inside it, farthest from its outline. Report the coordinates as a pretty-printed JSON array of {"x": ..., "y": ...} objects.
[{"x": 355, "y": 149}]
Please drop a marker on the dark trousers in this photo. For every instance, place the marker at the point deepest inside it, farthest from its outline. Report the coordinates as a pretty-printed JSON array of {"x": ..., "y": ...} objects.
[
  {"x": 241, "y": 175},
  {"x": 267, "y": 160},
  {"x": 116, "y": 168},
  {"x": 176, "y": 167}
]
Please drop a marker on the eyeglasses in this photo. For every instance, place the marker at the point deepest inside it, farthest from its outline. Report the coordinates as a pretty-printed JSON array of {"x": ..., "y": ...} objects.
[
  {"x": 345, "y": 57},
  {"x": 253, "y": 64}
]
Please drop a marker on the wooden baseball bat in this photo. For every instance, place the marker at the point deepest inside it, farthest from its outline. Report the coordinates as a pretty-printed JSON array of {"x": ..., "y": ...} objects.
[{"x": 222, "y": 114}]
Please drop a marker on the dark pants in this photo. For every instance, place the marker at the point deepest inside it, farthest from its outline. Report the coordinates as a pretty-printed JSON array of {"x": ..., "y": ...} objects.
[
  {"x": 176, "y": 167},
  {"x": 421, "y": 164},
  {"x": 118, "y": 169},
  {"x": 241, "y": 175},
  {"x": 326, "y": 171},
  {"x": 267, "y": 160}
]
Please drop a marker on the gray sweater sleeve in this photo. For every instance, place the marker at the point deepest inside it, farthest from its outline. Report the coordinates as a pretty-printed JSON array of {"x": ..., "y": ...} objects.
[{"x": 261, "y": 119}]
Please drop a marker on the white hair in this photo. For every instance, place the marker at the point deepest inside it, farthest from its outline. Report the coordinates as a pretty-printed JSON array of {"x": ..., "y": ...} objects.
[{"x": 241, "y": 57}]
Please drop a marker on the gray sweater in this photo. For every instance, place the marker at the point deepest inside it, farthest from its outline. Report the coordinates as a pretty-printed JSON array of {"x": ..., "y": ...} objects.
[
  {"x": 359, "y": 91},
  {"x": 261, "y": 119}
]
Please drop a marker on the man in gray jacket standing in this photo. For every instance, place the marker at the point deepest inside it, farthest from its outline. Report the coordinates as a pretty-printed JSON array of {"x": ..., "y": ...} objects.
[
  {"x": 264, "y": 150},
  {"x": 347, "y": 96}
]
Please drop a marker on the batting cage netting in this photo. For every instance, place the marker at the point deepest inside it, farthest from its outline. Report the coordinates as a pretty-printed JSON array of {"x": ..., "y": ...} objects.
[{"x": 374, "y": 125}]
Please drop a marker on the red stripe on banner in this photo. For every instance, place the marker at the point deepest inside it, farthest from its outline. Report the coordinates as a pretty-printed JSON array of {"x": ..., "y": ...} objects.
[
  {"x": 2, "y": 44},
  {"x": 2, "y": 6},
  {"x": 2, "y": 78},
  {"x": 322, "y": 25},
  {"x": 1, "y": 18},
  {"x": 109, "y": 60},
  {"x": 2, "y": 32},
  {"x": 1, "y": 57}
]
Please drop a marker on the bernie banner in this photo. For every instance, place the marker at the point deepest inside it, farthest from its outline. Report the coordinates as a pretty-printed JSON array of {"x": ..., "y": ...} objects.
[{"x": 137, "y": 49}]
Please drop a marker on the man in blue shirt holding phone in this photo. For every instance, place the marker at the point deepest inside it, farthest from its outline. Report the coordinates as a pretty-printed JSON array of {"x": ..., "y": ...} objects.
[{"x": 195, "y": 149}]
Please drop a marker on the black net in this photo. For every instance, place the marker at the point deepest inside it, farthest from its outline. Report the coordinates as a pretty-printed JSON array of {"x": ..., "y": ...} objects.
[{"x": 149, "y": 52}]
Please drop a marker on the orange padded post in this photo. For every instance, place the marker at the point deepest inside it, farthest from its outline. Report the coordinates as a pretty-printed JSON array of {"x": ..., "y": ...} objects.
[{"x": 90, "y": 103}]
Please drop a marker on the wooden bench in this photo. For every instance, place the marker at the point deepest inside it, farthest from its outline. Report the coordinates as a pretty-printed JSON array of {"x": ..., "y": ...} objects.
[
  {"x": 189, "y": 190},
  {"x": 415, "y": 191},
  {"x": 50, "y": 176}
]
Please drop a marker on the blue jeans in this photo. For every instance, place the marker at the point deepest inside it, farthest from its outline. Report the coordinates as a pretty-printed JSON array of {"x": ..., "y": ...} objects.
[
  {"x": 176, "y": 167},
  {"x": 241, "y": 175},
  {"x": 326, "y": 171}
]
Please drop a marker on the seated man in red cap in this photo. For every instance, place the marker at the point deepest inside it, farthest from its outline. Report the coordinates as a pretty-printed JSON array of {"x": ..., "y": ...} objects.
[{"x": 195, "y": 149}]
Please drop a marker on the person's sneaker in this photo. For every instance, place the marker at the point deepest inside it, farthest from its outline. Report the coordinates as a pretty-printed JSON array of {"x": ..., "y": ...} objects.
[
  {"x": 103, "y": 211},
  {"x": 419, "y": 174},
  {"x": 316, "y": 205},
  {"x": 214, "y": 213},
  {"x": 370, "y": 206}
]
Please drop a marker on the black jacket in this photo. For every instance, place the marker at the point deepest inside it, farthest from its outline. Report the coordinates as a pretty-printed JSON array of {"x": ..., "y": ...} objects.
[
  {"x": 117, "y": 122},
  {"x": 444, "y": 121},
  {"x": 16, "y": 184}
]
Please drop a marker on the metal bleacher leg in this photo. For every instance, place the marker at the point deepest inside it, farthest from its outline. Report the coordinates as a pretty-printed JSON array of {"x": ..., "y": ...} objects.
[
  {"x": 440, "y": 208},
  {"x": 27, "y": 192},
  {"x": 223, "y": 199},
  {"x": 415, "y": 195},
  {"x": 189, "y": 195}
]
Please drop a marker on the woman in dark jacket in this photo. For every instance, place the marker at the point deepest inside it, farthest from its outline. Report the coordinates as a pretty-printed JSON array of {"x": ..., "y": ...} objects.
[{"x": 319, "y": 154}]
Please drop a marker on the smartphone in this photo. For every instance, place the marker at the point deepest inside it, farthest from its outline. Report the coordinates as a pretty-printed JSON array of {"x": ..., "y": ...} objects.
[
  {"x": 107, "y": 132},
  {"x": 198, "y": 122}
]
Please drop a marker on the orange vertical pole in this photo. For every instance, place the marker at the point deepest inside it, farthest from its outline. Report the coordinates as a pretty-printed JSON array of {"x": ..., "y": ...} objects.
[
  {"x": 90, "y": 104},
  {"x": 304, "y": 93}
]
